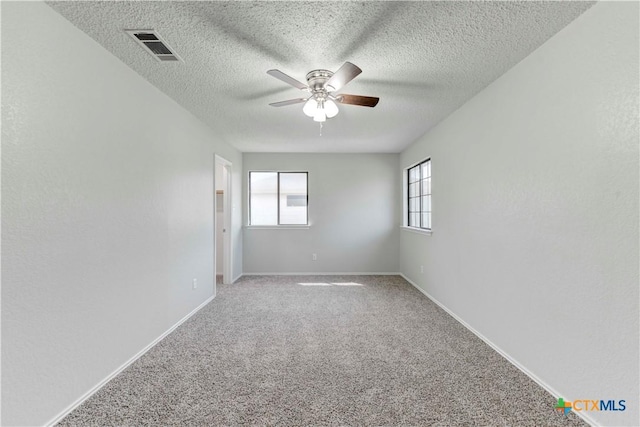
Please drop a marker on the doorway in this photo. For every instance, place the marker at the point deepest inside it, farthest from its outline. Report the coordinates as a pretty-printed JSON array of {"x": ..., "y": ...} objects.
[{"x": 222, "y": 212}]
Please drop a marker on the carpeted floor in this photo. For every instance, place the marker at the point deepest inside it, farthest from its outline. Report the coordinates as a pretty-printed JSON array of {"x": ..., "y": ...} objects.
[{"x": 321, "y": 350}]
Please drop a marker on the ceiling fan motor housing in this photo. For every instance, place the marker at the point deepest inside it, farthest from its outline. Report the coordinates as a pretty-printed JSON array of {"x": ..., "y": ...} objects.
[{"x": 316, "y": 80}]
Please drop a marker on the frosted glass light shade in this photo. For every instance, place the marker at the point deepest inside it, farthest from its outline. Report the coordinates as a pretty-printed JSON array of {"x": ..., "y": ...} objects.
[
  {"x": 320, "y": 115},
  {"x": 310, "y": 107},
  {"x": 320, "y": 109},
  {"x": 330, "y": 108}
]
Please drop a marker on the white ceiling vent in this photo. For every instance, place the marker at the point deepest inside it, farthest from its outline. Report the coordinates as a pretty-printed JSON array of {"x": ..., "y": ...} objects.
[{"x": 151, "y": 41}]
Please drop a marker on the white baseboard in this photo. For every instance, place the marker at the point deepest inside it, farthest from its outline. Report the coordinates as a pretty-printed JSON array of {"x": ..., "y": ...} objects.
[
  {"x": 503, "y": 353},
  {"x": 511, "y": 360},
  {"x": 102, "y": 383},
  {"x": 235, "y": 279},
  {"x": 323, "y": 273}
]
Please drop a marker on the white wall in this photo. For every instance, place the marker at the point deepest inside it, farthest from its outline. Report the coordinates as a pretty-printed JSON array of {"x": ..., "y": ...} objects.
[
  {"x": 535, "y": 211},
  {"x": 107, "y": 213},
  {"x": 353, "y": 213}
]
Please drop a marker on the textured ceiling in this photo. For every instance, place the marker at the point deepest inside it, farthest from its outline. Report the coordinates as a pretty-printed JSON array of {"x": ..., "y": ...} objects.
[{"x": 423, "y": 59}]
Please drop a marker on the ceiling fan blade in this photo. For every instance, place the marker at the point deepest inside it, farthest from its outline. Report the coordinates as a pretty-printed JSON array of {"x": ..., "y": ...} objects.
[
  {"x": 289, "y": 102},
  {"x": 287, "y": 79},
  {"x": 365, "y": 101},
  {"x": 344, "y": 75}
]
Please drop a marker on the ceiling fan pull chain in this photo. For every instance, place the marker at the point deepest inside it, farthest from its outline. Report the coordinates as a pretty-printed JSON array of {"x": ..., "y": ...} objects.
[{"x": 320, "y": 128}]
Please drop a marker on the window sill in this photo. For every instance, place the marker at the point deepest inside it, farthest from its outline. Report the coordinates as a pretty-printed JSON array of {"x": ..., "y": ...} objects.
[
  {"x": 417, "y": 230},
  {"x": 277, "y": 227}
]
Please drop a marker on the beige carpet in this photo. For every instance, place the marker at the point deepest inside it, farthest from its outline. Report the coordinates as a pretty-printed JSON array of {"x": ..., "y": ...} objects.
[{"x": 321, "y": 350}]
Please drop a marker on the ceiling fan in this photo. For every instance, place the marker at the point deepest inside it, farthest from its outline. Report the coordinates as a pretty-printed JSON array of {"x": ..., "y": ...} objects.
[{"x": 322, "y": 84}]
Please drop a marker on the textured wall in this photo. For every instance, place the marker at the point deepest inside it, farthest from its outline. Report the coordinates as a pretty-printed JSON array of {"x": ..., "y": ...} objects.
[
  {"x": 107, "y": 213},
  {"x": 353, "y": 212},
  {"x": 535, "y": 223}
]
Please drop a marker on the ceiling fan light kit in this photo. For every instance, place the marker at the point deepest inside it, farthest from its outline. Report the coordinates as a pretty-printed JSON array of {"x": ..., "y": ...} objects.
[
  {"x": 320, "y": 109},
  {"x": 322, "y": 84}
]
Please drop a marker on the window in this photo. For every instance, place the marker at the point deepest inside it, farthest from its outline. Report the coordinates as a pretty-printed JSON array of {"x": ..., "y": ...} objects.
[
  {"x": 419, "y": 195},
  {"x": 278, "y": 198},
  {"x": 297, "y": 200}
]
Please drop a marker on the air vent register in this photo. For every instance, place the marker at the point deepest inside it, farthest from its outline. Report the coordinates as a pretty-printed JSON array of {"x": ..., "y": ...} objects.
[{"x": 151, "y": 41}]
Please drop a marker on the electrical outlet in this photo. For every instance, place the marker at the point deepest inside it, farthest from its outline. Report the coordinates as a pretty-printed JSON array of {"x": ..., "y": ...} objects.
[
  {"x": 422, "y": 269},
  {"x": 314, "y": 257},
  {"x": 195, "y": 283}
]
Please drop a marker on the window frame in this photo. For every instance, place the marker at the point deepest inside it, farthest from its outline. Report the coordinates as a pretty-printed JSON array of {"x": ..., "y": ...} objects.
[
  {"x": 407, "y": 197},
  {"x": 279, "y": 224}
]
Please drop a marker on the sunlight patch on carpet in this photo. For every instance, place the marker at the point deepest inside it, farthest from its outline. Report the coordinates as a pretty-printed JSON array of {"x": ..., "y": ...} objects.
[{"x": 332, "y": 284}]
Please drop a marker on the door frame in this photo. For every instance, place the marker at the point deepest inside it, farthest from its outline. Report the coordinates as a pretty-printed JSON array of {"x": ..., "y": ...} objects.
[{"x": 227, "y": 253}]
